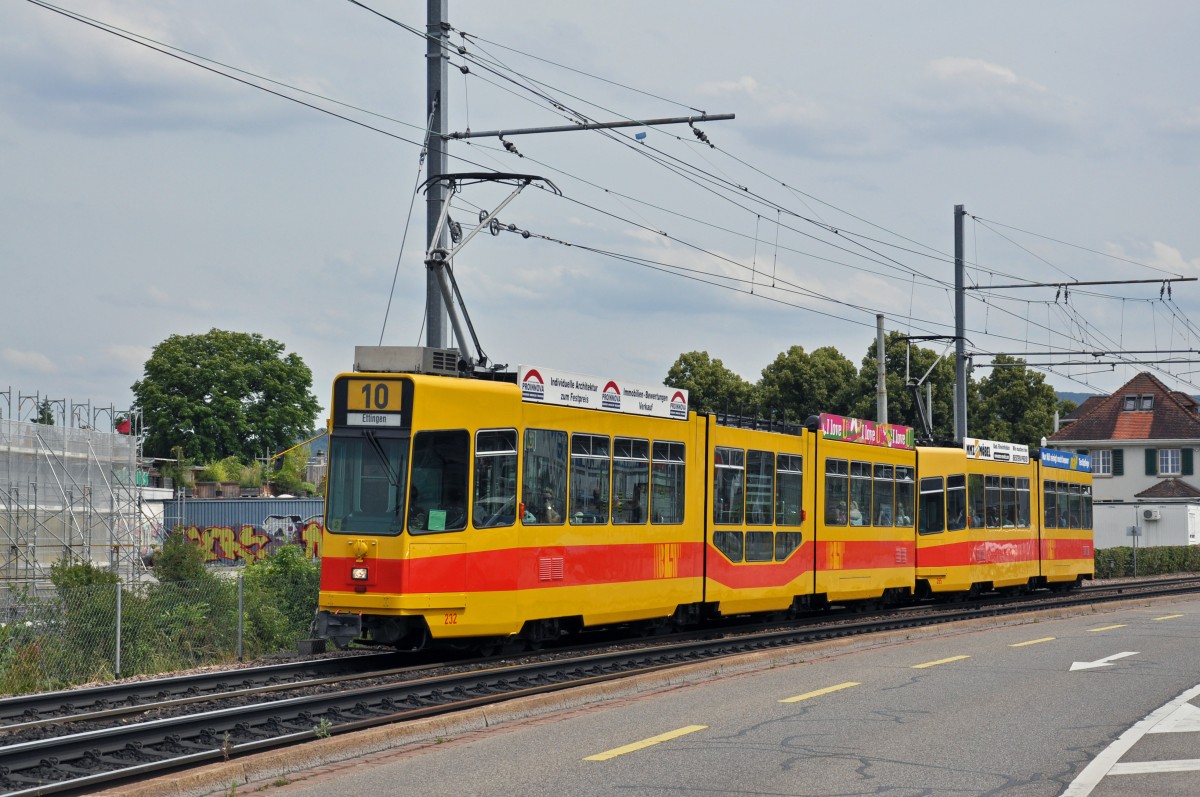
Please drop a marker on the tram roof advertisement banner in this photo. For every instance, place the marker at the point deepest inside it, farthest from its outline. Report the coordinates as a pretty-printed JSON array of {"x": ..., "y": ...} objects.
[
  {"x": 547, "y": 386},
  {"x": 996, "y": 450},
  {"x": 1065, "y": 460},
  {"x": 857, "y": 430}
]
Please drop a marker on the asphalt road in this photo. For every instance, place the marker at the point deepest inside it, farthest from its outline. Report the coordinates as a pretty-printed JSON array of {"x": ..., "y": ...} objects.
[{"x": 1021, "y": 709}]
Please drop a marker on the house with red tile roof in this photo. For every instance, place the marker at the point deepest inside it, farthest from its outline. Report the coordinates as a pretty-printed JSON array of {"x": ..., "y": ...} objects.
[{"x": 1142, "y": 441}]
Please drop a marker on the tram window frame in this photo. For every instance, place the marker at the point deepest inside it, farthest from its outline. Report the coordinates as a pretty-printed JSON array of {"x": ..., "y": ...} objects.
[
  {"x": 589, "y": 481},
  {"x": 760, "y": 546},
  {"x": 956, "y": 502},
  {"x": 789, "y": 489},
  {"x": 860, "y": 492},
  {"x": 931, "y": 512},
  {"x": 976, "y": 502},
  {"x": 438, "y": 479},
  {"x": 730, "y": 544},
  {"x": 668, "y": 482},
  {"x": 495, "y": 506},
  {"x": 1085, "y": 494},
  {"x": 906, "y": 496},
  {"x": 993, "y": 503},
  {"x": 1064, "y": 505},
  {"x": 1022, "y": 502},
  {"x": 729, "y": 485},
  {"x": 1050, "y": 504},
  {"x": 630, "y": 470},
  {"x": 1075, "y": 513},
  {"x": 787, "y": 543},
  {"x": 1008, "y": 502},
  {"x": 544, "y": 468},
  {"x": 837, "y": 492},
  {"x": 883, "y": 486},
  {"x": 760, "y": 490}
]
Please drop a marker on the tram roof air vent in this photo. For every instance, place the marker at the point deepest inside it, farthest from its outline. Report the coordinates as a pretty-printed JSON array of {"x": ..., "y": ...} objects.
[{"x": 406, "y": 359}]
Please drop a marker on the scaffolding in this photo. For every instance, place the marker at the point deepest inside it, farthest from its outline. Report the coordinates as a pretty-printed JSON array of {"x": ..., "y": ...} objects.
[{"x": 70, "y": 490}]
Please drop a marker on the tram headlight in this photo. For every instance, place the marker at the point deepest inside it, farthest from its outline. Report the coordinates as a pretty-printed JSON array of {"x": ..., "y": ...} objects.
[{"x": 358, "y": 574}]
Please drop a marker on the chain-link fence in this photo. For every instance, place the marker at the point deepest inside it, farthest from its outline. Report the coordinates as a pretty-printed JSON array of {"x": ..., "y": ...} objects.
[{"x": 66, "y": 636}]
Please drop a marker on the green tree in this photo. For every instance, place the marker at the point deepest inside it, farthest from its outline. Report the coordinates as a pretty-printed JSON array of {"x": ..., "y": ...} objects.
[
  {"x": 801, "y": 384},
  {"x": 224, "y": 393},
  {"x": 45, "y": 413},
  {"x": 1017, "y": 405},
  {"x": 711, "y": 386},
  {"x": 180, "y": 560},
  {"x": 901, "y": 359},
  {"x": 293, "y": 467}
]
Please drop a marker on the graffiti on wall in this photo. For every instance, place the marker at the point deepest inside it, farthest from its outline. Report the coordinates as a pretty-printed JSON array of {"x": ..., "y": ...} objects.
[{"x": 250, "y": 542}]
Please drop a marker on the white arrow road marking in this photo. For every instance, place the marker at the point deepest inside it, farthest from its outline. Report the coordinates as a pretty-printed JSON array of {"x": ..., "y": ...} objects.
[{"x": 1104, "y": 662}]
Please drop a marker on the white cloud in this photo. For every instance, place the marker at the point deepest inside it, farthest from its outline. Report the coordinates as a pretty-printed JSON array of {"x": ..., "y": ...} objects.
[
  {"x": 978, "y": 73},
  {"x": 33, "y": 361}
]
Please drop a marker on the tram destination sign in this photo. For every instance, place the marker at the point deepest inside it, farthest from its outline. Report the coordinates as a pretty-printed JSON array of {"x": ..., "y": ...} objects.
[{"x": 565, "y": 389}]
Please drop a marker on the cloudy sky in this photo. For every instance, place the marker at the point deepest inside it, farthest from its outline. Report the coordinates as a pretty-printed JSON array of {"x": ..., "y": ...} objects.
[{"x": 144, "y": 196}]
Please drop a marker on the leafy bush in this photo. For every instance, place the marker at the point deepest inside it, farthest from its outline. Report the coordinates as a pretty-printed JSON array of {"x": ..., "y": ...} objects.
[{"x": 1119, "y": 562}]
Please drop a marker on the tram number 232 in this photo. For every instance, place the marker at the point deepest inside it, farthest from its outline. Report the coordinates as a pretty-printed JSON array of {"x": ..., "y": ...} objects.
[{"x": 363, "y": 394}]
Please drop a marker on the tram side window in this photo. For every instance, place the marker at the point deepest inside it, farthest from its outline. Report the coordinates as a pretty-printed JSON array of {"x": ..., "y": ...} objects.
[
  {"x": 1050, "y": 499},
  {"x": 860, "y": 493},
  {"x": 728, "y": 483},
  {"x": 789, "y": 492},
  {"x": 544, "y": 476},
  {"x": 760, "y": 492},
  {"x": 631, "y": 477},
  {"x": 438, "y": 494},
  {"x": 1023, "y": 502},
  {"x": 495, "y": 478},
  {"x": 1008, "y": 501},
  {"x": 760, "y": 546},
  {"x": 729, "y": 543},
  {"x": 933, "y": 506},
  {"x": 991, "y": 486},
  {"x": 885, "y": 495},
  {"x": 785, "y": 543},
  {"x": 667, "y": 483},
  {"x": 837, "y": 491},
  {"x": 1076, "y": 513},
  {"x": 956, "y": 502},
  {"x": 905, "y": 495},
  {"x": 1086, "y": 496},
  {"x": 975, "y": 497},
  {"x": 589, "y": 478},
  {"x": 1064, "y": 505}
]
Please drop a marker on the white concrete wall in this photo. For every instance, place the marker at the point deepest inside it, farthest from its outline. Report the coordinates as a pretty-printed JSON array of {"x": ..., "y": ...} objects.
[{"x": 1178, "y": 524}]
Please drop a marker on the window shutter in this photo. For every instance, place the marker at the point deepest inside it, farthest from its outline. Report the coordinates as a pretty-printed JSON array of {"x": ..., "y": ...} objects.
[
  {"x": 1151, "y": 461},
  {"x": 1187, "y": 462},
  {"x": 1118, "y": 462}
]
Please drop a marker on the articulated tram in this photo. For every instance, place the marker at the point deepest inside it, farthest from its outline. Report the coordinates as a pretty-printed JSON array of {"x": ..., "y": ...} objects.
[{"x": 474, "y": 512}]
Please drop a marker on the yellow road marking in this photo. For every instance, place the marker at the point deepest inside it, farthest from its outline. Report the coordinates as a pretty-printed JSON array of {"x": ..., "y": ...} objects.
[
  {"x": 653, "y": 740},
  {"x": 820, "y": 692},
  {"x": 939, "y": 661},
  {"x": 1168, "y": 617},
  {"x": 1032, "y": 642},
  {"x": 1107, "y": 627}
]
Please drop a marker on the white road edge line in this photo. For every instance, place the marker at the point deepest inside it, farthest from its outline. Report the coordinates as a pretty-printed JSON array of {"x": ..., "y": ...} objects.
[{"x": 1095, "y": 772}]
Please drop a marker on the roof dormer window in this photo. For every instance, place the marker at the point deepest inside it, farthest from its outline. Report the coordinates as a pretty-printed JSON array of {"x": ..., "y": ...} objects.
[{"x": 1134, "y": 402}]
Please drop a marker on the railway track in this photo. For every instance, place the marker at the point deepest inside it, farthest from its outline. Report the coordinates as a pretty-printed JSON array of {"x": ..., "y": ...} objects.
[{"x": 52, "y": 755}]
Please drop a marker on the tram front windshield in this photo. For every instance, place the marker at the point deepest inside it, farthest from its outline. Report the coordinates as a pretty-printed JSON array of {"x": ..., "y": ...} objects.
[{"x": 366, "y": 484}]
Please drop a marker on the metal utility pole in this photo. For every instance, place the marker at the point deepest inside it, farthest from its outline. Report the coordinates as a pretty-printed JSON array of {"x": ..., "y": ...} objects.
[
  {"x": 960, "y": 325},
  {"x": 437, "y": 62},
  {"x": 881, "y": 414}
]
